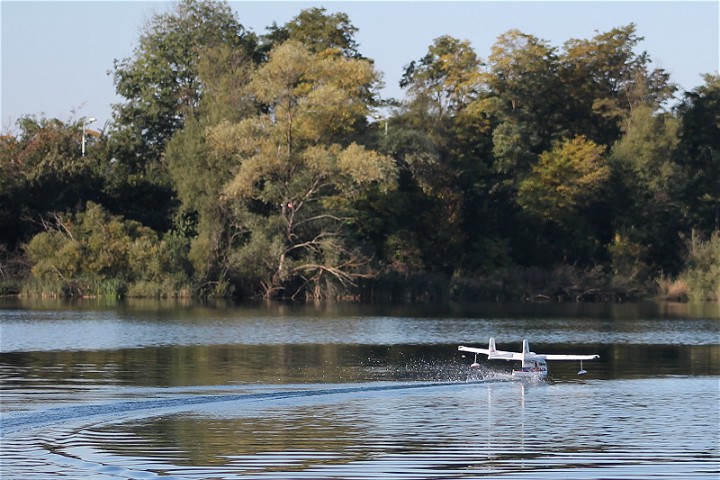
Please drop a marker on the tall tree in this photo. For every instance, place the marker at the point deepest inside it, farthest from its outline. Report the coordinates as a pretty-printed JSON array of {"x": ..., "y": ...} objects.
[
  {"x": 318, "y": 31},
  {"x": 651, "y": 181},
  {"x": 445, "y": 80},
  {"x": 526, "y": 100},
  {"x": 604, "y": 78},
  {"x": 297, "y": 173},
  {"x": 440, "y": 137},
  {"x": 199, "y": 178},
  {"x": 162, "y": 87},
  {"x": 700, "y": 145},
  {"x": 160, "y": 82}
]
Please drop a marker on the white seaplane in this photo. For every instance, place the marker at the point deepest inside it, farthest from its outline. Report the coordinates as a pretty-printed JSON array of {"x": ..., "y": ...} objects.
[{"x": 534, "y": 365}]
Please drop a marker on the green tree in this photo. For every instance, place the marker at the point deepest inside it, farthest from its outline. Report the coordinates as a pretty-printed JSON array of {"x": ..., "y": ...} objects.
[
  {"x": 699, "y": 113},
  {"x": 565, "y": 180},
  {"x": 205, "y": 221},
  {"x": 650, "y": 179},
  {"x": 318, "y": 31},
  {"x": 566, "y": 187},
  {"x": 701, "y": 269},
  {"x": 199, "y": 178},
  {"x": 525, "y": 100},
  {"x": 297, "y": 174},
  {"x": 42, "y": 170},
  {"x": 604, "y": 79},
  {"x": 162, "y": 87},
  {"x": 441, "y": 138},
  {"x": 445, "y": 80},
  {"x": 160, "y": 82},
  {"x": 225, "y": 72}
]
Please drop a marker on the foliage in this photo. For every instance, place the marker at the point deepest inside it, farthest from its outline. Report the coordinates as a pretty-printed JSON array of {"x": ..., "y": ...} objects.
[
  {"x": 439, "y": 141},
  {"x": 251, "y": 165},
  {"x": 650, "y": 185},
  {"x": 42, "y": 170},
  {"x": 524, "y": 84},
  {"x": 702, "y": 268},
  {"x": 446, "y": 79},
  {"x": 628, "y": 259},
  {"x": 318, "y": 31},
  {"x": 699, "y": 135},
  {"x": 296, "y": 171},
  {"x": 606, "y": 78},
  {"x": 162, "y": 87},
  {"x": 14, "y": 269},
  {"x": 565, "y": 180},
  {"x": 160, "y": 82},
  {"x": 94, "y": 253},
  {"x": 699, "y": 279}
]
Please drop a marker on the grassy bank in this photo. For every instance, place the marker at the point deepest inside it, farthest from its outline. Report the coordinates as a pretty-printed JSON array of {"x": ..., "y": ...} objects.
[{"x": 698, "y": 281}]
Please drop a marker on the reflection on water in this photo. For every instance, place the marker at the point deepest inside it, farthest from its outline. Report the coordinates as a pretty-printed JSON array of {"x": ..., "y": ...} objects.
[
  {"x": 595, "y": 429},
  {"x": 144, "y": 390},
  {"x": 96, "y": 328},
  {"x": 38, "y": 373}
]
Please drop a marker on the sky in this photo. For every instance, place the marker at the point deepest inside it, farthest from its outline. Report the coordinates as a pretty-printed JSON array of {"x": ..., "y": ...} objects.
[{"x": 55, "y": 56}]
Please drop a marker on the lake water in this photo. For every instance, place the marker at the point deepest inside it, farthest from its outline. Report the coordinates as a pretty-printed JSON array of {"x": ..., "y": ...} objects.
[{"x": 144, "y": 389}]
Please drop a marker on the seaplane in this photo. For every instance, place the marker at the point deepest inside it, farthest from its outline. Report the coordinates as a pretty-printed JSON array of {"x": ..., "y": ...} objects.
[{"x": 534, "y": 365}]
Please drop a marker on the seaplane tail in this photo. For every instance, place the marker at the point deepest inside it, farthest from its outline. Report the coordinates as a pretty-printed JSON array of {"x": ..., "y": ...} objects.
[{"x": 492, "y": 352}]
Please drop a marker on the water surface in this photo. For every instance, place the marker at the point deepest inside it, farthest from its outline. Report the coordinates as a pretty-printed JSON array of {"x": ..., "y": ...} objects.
[{"x": 148, "y": 389}]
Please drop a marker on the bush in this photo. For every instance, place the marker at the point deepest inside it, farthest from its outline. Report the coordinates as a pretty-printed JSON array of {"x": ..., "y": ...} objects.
[
  {"x": 702, "y": 268},
  {"x": 94, "y": 253},
  {"x": 699, "y": 279},
  {"x": 562, "y": 283}
]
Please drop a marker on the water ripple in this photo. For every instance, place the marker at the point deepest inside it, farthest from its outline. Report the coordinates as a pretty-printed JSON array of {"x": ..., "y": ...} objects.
[{"x": 598, "y": 429}]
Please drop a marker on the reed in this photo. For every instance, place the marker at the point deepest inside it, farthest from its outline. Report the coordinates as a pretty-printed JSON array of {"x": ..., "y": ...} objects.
[
  {"x": 699, "y": 279},
  {"x": 166, "y": 288},
  {"x": 676, "y": 289}
]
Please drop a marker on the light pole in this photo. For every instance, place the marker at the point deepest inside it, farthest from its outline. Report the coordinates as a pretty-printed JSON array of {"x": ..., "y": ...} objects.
[
  {"x": 86, "y": 122},
  {"x": 378, "y": 118}
]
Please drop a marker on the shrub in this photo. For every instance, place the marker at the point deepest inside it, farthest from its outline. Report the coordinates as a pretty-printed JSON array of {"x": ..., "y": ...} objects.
[
  {"x": 702, "y": 268},
  {"x": 700, "y": 278},
  {"x": 93, "y": 253}
]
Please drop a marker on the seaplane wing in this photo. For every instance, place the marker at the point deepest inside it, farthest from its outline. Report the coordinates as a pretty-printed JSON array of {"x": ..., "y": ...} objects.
[
  {"x": 569, "y": 357},
  {"x": 483, "y": 351}
]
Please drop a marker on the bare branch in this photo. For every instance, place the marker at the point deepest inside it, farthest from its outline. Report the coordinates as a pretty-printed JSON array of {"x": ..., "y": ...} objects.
[
  {"x": 321, "y": 217},
  {"x": 318, "y": 240}
]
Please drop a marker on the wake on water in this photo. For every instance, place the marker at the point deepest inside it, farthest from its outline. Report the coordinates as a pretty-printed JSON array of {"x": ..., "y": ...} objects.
[{"x": 417, "y": 374}]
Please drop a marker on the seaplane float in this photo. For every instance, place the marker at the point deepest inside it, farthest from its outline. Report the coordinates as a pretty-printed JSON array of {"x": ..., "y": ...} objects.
[{"x": 534, "y": 365}]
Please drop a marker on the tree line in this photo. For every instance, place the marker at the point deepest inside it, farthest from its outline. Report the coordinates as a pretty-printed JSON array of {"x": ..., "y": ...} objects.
[{"x": 270, "y": 166}]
